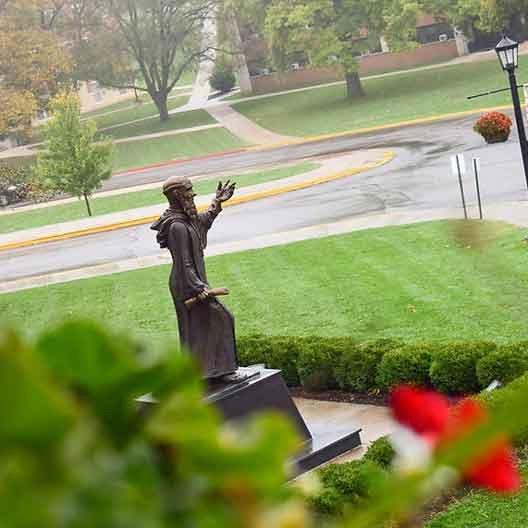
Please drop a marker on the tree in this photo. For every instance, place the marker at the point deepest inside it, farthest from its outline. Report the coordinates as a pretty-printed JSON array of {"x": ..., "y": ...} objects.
[
  {"x": 159, "y": 40},
  {"x": 33, "y": 64},
  {"x": 72, "y": 162},
  {"x": 335, "y": 32},
  {"x": 329, "y": 32}
]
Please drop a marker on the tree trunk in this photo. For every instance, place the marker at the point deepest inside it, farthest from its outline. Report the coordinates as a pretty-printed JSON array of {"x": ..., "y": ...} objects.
[
  {"x": 87, "y": 204},
  {"x": 161, "y": 104},
  {"x": 353, "y": 85}
]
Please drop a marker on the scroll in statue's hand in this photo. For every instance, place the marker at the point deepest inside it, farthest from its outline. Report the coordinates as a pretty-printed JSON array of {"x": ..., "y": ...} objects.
[
  {"x": 204, "y": 295},
  {"x": 224, "y": 191}
]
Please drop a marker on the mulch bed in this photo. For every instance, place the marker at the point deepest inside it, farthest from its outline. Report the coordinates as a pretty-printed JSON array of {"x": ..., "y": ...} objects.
[{"x": 381, "y": 400}]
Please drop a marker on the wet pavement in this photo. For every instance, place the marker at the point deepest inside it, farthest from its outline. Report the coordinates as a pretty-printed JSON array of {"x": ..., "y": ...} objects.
[{"x": 419, "y": 178}]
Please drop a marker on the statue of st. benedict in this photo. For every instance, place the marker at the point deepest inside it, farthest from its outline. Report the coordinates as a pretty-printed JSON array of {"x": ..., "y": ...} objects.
[{"x": 206, "y": 328}]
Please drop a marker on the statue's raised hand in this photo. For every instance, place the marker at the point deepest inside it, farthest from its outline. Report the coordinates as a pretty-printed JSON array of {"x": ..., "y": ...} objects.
[{"x": 225, "y": 191}]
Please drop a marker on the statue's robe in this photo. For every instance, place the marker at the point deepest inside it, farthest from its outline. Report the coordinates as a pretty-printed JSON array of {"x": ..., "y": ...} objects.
[{"x": 207, "y": 329}]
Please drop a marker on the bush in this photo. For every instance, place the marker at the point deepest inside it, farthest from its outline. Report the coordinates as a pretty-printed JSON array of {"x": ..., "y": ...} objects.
[
  {"x": 223, "y": 78},
  {"x": 276, "y": 352},
  {"x": 453, "y": 370},
  {"x": 347, "y": 484},
  {"x": 317, "y": 362},
  {"x": 356, "y": 371},
  {"x": 408, "y": 364},
  {"x": 504, "y": 364},
  {"x": 380, "y": 452},
  {"x": 14, "y": 183},
  {"x": 493, "y": 126}
]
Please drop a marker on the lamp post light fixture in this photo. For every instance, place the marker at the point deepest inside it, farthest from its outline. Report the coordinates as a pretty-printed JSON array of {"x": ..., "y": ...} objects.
[{"x": 508, "y": 53}]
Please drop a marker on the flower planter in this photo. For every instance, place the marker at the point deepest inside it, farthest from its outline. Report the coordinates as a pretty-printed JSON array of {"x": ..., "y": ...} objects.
[
  {"x": 499, "y": 139},
  {"x": 494, "y": 127}
]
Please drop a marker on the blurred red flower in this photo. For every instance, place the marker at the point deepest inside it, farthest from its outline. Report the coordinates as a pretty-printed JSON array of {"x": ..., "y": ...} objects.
[{"x": 427, "y": 413}]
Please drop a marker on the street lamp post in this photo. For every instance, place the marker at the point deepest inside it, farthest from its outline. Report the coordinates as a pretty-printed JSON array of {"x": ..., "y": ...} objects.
[{"x": 508, "y": 53}]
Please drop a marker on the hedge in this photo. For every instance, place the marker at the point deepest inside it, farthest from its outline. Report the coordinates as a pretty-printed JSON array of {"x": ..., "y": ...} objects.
[
  {"x": 504, "y": 364},
  {"x": 380, "y": 452},
  {"x": 454, "y": 367},
  {"x": 359, "y": 364},
  {"x": 408, "y": 364},
  {"x": 346, "y": 484},
  {"x": 320, "y": 363}
]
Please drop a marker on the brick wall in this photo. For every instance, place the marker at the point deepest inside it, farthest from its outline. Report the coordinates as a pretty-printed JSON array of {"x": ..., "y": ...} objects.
[
  {"x": 378, "y": 62},
  {"x": 426, "y": 54},
  {"x": 293, "y": 79}
]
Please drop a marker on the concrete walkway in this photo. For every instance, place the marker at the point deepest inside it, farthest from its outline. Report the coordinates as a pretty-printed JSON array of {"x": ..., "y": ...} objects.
[
  {"x": 512, "y": 212},
  {"x": 166, "y": 133},
  {"x": 244, "y": 128},
  {"x": 375, "y": 421}
]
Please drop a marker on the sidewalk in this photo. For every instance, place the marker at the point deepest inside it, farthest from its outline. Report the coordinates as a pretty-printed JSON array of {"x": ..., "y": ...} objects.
[
  {"x": 331, "y": 169},
  {"x": 511, "y": 212},
  {"x": 244, "y": 128}
]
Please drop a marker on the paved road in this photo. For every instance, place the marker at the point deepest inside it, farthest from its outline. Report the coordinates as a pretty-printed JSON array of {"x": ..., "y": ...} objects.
[{"x": 420, "y": 177}]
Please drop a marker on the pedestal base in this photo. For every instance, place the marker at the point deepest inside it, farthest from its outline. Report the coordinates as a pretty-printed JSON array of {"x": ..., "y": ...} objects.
[{"x": 265, "y": 390}]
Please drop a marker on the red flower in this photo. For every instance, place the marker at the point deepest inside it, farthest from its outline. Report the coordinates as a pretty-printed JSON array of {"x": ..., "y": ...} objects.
[
  {"x": 493, "y": 124},
  {"x": 427, "y": 413},
  {"x": 495, "y": 468}
]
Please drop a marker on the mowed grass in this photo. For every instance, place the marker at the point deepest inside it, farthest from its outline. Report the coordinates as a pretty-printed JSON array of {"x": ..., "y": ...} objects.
[
  {"x": 482, "y": 509},
  {"x": 153, "y": 125},
  {"x": 138, "y": 111},
  {"x": 150, "y": 151},
  {"x": 411, "y": 282},
  {"x": 390, "y": 99},
  {"x": 130, "y": 200}
]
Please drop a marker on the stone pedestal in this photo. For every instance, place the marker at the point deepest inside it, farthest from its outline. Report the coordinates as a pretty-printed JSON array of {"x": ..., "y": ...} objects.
[{"x": 265, "y": 390}]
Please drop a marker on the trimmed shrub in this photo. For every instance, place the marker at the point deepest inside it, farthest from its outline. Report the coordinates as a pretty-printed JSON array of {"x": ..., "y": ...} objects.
[
  {"x": 276, "y": 352},
  {"x": 380, "y": 452},
  {"x": 317, "y": 361},
  {"x": 346, "y": 484},
  {"x": 408, "y": 364},
  {"x": 223, "y": 79},
  {"x": 504, "y": 364},
  {"x": 453, "y": 370},
  {"x": 357, "y": 368}
]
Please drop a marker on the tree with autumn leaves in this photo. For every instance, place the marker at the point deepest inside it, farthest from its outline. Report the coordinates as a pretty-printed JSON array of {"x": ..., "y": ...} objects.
[{"x": 33, "y": 64}]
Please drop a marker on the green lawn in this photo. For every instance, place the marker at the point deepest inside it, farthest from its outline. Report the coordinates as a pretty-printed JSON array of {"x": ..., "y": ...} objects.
[
  {"x": 481, "y": 509},
  {"x": 150, "y": 126},
  {"x": 412, "y": 282},
  {"x": 389, "y": 100},
  {"x": 149, "y": 151},
  {"x": 137, "y": 112},
  {"x": 130, "y": 200}
]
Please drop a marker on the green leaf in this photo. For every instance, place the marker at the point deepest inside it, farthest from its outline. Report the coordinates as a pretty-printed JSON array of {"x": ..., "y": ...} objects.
[{"x": 34, "y": 412}]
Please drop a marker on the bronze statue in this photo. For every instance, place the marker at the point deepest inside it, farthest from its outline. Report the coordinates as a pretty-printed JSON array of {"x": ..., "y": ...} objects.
[{"x": 205, "y": 325}]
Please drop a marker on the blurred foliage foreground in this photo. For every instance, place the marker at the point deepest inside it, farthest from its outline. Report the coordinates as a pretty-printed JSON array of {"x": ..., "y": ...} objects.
[{"x": 75, "y": 450}]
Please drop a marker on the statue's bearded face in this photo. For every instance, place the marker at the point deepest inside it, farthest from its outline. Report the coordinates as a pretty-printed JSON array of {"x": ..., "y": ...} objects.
[{"x": 186, "y": 197}]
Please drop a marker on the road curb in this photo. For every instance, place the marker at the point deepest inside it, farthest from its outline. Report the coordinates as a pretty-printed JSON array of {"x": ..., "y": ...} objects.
[
  {"x": 385, "y": 158},
  {"x": 380, "y": 128}
]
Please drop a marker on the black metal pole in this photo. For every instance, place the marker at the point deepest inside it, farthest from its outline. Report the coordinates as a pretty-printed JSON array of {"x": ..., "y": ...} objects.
[
  {"x": 461, "y": 187},
  {"x": 520, "y": 123},
  {"x": 475, "y": 171}
]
